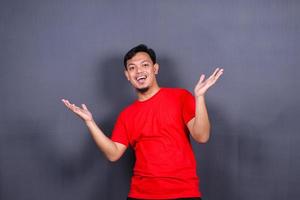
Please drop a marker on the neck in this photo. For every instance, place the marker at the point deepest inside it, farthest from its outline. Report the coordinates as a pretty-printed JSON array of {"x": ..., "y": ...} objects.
[{"x": 148, "y": 94}]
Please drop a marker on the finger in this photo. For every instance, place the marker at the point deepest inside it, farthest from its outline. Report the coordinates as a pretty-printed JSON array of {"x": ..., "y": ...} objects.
[
  {"x": 74, "y": 106},
  {"x": 216, "y": 71},
  {"x": 212, "y": 76},
  {"x": 66, "y": 102},
  {"x": 220, "y": 72},
  {"x": 76, "y": 109},
  {"x": 84, "y": 106},
  {"x": 202, "y": 77},
  {"x": 71, "y": 105}
]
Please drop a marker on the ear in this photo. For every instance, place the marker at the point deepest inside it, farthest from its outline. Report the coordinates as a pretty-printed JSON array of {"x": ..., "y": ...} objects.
[
  {"x": 156, "y": 68},
  {"x": 126, "y": 74}
]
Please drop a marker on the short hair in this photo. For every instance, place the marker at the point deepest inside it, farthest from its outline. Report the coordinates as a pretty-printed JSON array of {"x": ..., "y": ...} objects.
[{"x": 137, "y": 49}]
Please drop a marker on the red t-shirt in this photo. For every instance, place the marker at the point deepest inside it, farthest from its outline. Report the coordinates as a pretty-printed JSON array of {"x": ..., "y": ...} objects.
[{"x": 165, "y": 165}]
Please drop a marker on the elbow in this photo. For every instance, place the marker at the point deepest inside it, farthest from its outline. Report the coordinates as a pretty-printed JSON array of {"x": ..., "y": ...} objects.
[
  {"x": 202, "y": 140},
  {"x": 113, "y": 158},
  {"x": 202, "y": 137},
  {"x": 115, "y": 153},
  {"x": 201, "y": 133}
]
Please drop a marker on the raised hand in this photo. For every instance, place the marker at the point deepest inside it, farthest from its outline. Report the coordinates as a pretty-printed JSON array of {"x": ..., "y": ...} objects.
[
  {"x": 82, "y": 111},
  {"x": 203, "y": 85}
]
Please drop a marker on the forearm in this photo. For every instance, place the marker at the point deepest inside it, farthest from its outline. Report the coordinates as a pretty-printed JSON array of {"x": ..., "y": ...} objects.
[
  {"x": 201, "y": 126},
  {"x": 105, "y": 144}
]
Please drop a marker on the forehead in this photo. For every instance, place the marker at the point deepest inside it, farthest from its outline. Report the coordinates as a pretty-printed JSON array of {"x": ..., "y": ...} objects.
[{"x": 139, "y": 57}]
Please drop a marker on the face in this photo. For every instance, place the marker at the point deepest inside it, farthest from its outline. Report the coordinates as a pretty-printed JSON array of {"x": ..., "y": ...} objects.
[{"x": 141, "y": 72}]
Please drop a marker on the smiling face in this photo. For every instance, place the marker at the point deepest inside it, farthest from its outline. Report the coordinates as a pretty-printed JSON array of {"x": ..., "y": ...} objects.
[{"x": 141, "y": 71}]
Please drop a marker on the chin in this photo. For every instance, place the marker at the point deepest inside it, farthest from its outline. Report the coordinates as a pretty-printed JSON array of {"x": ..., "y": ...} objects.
[{"x": 143, "y": 89}]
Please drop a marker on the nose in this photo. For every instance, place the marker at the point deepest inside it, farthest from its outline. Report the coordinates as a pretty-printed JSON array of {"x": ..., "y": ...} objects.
[{"x": 139, "y": 69}]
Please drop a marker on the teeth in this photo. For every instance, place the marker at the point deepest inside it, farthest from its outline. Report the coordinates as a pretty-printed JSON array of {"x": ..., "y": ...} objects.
[{"x": 141, "y": 77}]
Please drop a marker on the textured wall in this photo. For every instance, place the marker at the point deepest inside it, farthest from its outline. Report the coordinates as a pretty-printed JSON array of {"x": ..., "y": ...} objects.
[{"x": 73, "y": 49}]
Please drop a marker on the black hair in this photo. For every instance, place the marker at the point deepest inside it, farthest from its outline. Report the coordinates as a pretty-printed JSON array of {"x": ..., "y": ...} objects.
[{"x": 137, "y": 49}]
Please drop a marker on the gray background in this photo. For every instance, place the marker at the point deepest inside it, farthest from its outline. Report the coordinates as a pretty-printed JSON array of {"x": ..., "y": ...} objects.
[{"x": 73, "y": 49}]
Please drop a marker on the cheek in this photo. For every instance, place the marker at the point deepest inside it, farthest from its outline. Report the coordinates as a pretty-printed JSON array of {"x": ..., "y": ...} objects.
[
  {"x": 153, "y": 72},
  {"x": 130, "y": 76}
]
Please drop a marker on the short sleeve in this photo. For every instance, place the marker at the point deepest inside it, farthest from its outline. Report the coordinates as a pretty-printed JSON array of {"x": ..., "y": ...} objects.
[
  {"x": 119, "y": 133},
  {"x": 188, "y": 108}
]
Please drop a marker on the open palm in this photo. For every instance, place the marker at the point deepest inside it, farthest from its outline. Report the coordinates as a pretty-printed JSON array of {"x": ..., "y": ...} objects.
[
  {"x": 203, "y": 85},
  {"x": 82, "y": 111}
]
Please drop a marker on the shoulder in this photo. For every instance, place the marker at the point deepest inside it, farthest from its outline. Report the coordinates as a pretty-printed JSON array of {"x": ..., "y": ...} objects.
[
  {"x": 177, "y": 91},
  {"x": 128, "y": 110}
]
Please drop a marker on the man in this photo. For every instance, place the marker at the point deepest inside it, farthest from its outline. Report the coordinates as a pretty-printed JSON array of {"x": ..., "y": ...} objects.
[{"x": 157, "y": 126}]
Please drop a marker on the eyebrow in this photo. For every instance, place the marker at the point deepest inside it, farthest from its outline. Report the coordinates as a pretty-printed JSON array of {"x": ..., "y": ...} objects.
[{"x": 140, "y": 62}]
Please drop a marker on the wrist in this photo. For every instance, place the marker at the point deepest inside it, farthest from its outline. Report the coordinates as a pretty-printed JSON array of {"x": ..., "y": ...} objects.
[
  {"x": 89, "y": 122},
  {"x": 201, "y": 97}
]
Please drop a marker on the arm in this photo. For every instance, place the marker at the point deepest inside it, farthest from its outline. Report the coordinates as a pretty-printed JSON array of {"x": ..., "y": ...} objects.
[
  {"x": 112, "y": 150},
  {"x": 199, "y": 126}
]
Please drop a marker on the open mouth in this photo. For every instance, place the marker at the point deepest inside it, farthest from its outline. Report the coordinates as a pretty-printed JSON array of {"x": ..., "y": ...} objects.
[{"x": 141, "y": 79}]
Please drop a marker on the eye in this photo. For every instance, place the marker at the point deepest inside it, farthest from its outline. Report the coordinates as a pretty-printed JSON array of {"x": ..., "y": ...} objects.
[
  {"x": 146, "y": 64},
  {"x": 130, "y": 68}
]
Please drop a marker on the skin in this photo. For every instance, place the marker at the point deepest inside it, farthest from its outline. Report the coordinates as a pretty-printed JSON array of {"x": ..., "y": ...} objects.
[
  {"x": 199, "y": 126},
  {"x": 141, "y": 67}
]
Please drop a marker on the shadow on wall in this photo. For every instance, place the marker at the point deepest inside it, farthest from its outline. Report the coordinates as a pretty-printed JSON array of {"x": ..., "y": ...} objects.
[
  {"x": 244, "y": 160},
  {"x": 28, "y": 165},
  {"x": 218, "y": 159},
  {"x": 35, "y": 168},
  {"x": 168, "y": 76},
  {"x": 267, "y": 156},
  {"x": 115, "y": 89}
]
